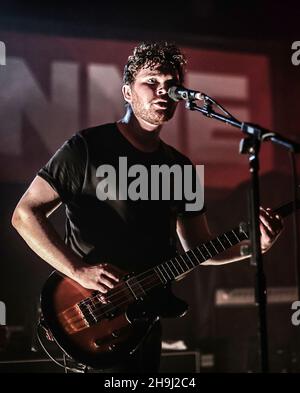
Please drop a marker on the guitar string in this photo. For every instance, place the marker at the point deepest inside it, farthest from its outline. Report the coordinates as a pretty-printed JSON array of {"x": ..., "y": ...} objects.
[
  {"x": 140, "y": 282},
  {"x": 114, "y": 306},
  {"x": 133, "y": 286},
  {"x": 91, "y": 299},
  {"x": 153, "y": 272},
  {"x": 112, "y": 291},
  {"x": 98, "y": 311},
  {"x": 153, "y": 279}
]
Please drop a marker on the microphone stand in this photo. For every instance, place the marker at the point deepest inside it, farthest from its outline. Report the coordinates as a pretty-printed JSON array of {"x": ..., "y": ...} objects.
[{"x": 250, "y": 145}]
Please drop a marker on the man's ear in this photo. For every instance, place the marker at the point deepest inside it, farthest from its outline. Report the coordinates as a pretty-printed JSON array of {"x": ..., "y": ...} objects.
[{"x": 126, "y": 90}]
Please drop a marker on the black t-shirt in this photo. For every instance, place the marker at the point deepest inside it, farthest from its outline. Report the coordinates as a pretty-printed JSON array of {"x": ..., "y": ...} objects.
[{"x": 131, "y": 234}]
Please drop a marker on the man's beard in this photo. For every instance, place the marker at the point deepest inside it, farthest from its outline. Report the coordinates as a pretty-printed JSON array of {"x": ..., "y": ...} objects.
[{"x": 152, "y": 115}]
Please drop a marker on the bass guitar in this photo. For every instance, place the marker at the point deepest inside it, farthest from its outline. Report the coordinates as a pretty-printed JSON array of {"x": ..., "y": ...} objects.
[{"x": 101, "y": 333}]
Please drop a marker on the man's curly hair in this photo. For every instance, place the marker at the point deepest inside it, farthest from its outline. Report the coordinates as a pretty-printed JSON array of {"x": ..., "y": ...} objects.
[{"x": 149, "y": 55}]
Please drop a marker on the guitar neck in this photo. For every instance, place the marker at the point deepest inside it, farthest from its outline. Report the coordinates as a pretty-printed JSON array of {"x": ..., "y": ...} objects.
[
  {"x": 174, "y": 268},
  {"x": 180, "y": 265},
  {"x": 287, "y": 208}
]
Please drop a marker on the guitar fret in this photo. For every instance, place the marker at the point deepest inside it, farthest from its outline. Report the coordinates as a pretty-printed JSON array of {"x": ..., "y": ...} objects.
[
  {"x": 207, "y": 250},
  {"x": 232, "y": 238},
  {"x": 188, "y": 254},
  {"x": 172, "y": 273},
  {"x": 183, "y": 266},
  {"x": 162, "y": 274},
  {"x": 192, "y": 252},
  {"x": 174, "y": 267},
  {"x": 211, "y": 248},
  {"x": 138, "y": 286},
  {"x": 180, "y": 266},
  {"x": 211, "y": 242},
  {"x": 219, "y": 246},
  {"x": 199, "y": 250},
  {"x": 221, "y": 243},
  {"x": 235, "y": 235},
  {"x": 190, "y": 259},
  {"x": 199, "y": 258},
  {"x": 162, "y": 265},
  {"x": 204, "y": 252},
  {"x": 184, "y": 263},
  {"x": 181, "y": 256},
  {"x": 228, "y": 239}
]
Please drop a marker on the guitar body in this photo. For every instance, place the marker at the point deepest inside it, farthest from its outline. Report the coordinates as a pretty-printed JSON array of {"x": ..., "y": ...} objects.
[
  {"x": 116, "y": 333},
  {"x": 101, "y": 334}
]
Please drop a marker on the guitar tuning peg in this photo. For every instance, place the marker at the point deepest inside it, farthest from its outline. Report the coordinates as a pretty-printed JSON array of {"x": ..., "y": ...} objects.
[{"x": 243, "y": 228}]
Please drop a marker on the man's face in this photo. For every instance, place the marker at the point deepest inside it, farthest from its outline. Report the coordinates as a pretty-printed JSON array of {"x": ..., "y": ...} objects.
[{"x": 148, "y": 95}]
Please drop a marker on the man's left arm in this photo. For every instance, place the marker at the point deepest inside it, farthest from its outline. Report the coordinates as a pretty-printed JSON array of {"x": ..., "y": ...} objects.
[{"x": 194, "y": 230}]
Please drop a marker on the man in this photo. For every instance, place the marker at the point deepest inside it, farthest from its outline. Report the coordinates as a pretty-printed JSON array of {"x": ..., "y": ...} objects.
[{"x": 107, "y": 237}]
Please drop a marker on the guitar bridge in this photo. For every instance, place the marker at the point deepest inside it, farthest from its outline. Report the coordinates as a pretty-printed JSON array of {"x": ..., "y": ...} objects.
[{"x": 73, "y": 319}]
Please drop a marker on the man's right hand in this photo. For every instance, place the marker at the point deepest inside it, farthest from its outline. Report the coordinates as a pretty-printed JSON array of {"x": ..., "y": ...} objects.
[
  {"x": 30, "y": 219},
  {"x": 100, "y": 277}
]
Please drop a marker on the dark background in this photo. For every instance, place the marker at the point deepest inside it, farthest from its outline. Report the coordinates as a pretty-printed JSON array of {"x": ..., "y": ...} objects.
[{"x": 207, "y": 19}]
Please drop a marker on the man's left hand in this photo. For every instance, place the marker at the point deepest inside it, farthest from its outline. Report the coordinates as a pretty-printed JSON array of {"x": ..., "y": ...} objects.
[{"x": 271, "y": 226}]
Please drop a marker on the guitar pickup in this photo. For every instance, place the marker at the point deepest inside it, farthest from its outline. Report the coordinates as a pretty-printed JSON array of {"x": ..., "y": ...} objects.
[{"x": 138, "y": 291}]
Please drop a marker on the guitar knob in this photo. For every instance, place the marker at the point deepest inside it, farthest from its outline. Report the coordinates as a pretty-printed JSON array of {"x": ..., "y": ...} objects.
[
  {"x": 115, "y": 334},
  {"x": 111, "y": 347}
]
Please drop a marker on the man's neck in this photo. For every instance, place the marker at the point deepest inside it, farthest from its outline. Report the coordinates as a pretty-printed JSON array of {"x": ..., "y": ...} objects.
[{"x": 142, "y": 135}]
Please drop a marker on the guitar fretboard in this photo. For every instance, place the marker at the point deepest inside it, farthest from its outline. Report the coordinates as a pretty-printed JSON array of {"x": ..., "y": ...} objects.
[
  {"x": 182, "y": 264},
  {"x": 136, "y": 287}
]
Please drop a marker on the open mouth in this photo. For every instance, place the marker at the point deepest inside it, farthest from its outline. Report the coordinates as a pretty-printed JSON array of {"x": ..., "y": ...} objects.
[{"x": 161, "y": 104}]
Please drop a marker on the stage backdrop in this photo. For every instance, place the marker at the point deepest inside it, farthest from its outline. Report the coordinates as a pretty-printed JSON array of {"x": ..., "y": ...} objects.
[{"x": 51, "y": 87}]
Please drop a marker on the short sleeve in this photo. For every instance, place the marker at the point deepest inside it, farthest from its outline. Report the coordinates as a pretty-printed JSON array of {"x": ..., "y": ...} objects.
[{"x": 65, "y": 171}]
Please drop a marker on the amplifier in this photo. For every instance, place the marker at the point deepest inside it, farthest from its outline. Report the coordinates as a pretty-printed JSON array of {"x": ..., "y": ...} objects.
[
  {"x": 245, "y": 296},
  {"x": 171, "y": 362},
  {"x": 180, "y": 362}
]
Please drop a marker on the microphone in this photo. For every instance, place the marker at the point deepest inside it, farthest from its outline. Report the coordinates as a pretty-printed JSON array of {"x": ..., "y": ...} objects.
[{"x": 182, "y": 93}]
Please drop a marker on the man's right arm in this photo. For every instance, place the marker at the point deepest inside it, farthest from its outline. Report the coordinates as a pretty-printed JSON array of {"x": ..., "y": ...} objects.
[{"x": 30, "y": 219}]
